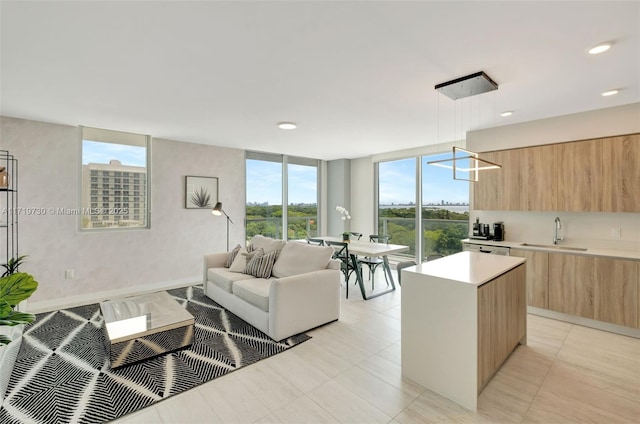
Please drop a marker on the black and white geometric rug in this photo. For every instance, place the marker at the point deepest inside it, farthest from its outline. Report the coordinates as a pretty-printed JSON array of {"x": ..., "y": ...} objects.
[{"x": 62, "y": 373}]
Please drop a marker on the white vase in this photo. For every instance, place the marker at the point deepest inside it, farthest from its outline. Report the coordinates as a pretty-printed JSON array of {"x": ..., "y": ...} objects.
[{"x": 8, "y": 355}]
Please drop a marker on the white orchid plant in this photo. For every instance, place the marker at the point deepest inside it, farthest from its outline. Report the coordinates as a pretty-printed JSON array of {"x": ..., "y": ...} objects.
[
  {"x": 345, "y": 213},
  {"x": 344, "y": 216}
]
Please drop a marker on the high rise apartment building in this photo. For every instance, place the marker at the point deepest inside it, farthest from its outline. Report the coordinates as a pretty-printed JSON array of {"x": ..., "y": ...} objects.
[{"x": 114, "y": 195}]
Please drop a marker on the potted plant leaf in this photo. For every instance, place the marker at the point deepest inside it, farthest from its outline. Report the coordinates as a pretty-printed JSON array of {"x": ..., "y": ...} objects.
[{"x": 14, "y": 288}]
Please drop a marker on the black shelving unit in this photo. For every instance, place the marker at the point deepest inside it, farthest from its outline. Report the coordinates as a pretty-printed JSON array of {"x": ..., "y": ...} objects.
[{"x": 9, "y": 208}]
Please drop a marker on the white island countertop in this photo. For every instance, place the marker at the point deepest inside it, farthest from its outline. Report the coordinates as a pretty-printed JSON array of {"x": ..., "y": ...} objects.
[{"x": 467, "y": 267}]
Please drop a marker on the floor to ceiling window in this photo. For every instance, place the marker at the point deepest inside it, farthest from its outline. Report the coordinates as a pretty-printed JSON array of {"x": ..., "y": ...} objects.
[
  {"x": 442, "y": 220},
  {"x": 445, "y": 209},
  {"x": 282, "y": 196},
  {"x": 397, "y": 202},
  {"x": 302, "y": 198}
]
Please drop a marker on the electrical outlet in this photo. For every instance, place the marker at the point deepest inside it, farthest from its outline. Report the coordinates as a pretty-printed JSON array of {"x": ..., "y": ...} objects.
[
  {"x": 69, "y": 274},
  {"x": 615, "y": 232}
]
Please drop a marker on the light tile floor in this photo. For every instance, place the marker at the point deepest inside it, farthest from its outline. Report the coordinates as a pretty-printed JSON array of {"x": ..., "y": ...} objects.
[{"x": 350, "y": 372}]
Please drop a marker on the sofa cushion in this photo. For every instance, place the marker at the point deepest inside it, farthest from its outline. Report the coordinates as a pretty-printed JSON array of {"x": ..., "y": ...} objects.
[
  {"x": 224, "y": 278},
  {"x": 242, "y": 259},
  {"x": 266, "y": 243},
  {"x": 300, "y": 258},
  {"x": 232, "y": 255},
  {"x": 254, "y": 292},
  {"x": 260, "y": 265}
]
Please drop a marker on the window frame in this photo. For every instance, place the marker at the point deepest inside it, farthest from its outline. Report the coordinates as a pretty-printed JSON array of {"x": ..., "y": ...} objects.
[
  {"x": 106, "y": 136},
  {"x": 285, "y": 160}
]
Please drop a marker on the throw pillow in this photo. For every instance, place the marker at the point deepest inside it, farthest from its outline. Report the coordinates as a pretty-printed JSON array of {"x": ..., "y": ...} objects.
[
  {"x": 239, "y": 262},
  {"x": 231, "y": 256},
  {"x": 260, "y": 265},
  {"x": 242, "y": 259}
]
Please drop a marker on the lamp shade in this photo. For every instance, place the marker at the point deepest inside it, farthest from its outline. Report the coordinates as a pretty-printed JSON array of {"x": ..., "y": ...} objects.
[{"x": 217, "y": 210}]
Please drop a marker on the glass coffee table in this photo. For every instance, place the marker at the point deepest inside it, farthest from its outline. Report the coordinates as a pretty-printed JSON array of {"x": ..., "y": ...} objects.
[{"x": 144, "y": 326}]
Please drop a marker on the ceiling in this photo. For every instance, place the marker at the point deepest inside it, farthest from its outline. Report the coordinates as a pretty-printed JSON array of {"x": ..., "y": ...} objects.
[{"x": 357, "y": 77}]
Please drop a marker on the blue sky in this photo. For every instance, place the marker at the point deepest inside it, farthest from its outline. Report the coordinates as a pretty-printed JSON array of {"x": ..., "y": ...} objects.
[
  {"x": 99, "y": 152},
  {"x": 264, "y": 183},
  {"x": 398, "y": 182},
  {"x": 264, "y": 179}
]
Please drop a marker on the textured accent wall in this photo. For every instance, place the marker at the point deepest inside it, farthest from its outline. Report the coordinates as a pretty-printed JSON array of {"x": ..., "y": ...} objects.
[{"x": 169, "y": 253}]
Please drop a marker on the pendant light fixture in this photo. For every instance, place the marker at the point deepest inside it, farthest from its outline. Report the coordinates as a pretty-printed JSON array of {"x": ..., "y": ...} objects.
[{"x": 465, "y": 161}]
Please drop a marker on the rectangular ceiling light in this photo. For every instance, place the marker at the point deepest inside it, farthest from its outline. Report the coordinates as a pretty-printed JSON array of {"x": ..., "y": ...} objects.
[
  {"x": 469, "y": 85},
  {"x": 470, "y": 159}
]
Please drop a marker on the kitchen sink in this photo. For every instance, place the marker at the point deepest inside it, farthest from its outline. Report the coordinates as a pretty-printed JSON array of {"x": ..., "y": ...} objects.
[{"x": 555, "y": 246}]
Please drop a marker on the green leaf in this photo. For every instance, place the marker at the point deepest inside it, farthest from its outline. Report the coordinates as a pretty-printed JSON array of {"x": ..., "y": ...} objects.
[
  {"x": 16, "y": 317},
  {"x": 4, "y": 340},
  {"x": 17, "y": 287}
]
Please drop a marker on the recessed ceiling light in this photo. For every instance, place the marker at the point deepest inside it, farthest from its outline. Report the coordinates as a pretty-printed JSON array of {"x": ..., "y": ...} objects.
[
  {"x": 600, "y": 48},
  {"x": 287, "y": 125},
  {"x": 610, "y": 93},
  {"x": 507, "y": 113}
]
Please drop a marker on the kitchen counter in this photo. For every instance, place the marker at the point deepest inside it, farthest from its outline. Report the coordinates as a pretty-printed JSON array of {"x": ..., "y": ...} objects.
[
  {"x": 462, "y": 316},
  {"x": 468, "y": 267},
  {"x": 633, "y": 255}
]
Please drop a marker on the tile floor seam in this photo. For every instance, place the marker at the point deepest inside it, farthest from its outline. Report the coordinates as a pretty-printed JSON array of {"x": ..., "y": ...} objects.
[
  {"x": 360, "y": 397},
  {"x": 546, "y": 376}
]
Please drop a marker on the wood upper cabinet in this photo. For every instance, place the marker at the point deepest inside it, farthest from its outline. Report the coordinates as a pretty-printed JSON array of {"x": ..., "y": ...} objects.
[
  {"x": 537, "y": 276},
  {"x": 486, "y": 192},
  {"x": 579, "y": 176},
  {"x": 599, "y": 175},
  {"x": 621, "y": 174},
  {"x": 539, "y": 188},
  {"x": 598, "y": 288}
]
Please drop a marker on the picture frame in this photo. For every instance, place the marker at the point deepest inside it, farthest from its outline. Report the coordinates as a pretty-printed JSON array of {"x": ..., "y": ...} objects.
[{"x": 200, "y": 192}]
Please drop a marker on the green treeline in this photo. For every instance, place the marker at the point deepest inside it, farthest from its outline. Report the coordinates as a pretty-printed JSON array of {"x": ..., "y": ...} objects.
[{"x": 439, "y": 236}]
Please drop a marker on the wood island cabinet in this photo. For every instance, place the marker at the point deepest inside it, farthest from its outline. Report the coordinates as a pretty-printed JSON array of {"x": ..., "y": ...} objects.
[
  {"x": 537, "y": 277},
  {"x": 599, "y": 175},
  {"x": 598, "y": 288}
]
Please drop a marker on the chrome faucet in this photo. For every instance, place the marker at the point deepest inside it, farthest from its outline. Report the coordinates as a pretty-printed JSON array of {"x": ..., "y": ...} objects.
[{"x": 558, "y": 226}]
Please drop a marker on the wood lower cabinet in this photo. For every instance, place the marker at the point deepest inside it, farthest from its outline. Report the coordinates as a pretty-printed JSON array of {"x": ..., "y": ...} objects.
[
  {"x": 537, "y": 276},
  {"x": 615, "y": 291},
  {"x": 603, "y": 289},
  {"x": 571, "y": 284}
]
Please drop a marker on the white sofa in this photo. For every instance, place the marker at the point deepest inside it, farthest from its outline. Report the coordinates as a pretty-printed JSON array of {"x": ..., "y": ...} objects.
[{"x": 302, "y": 292}]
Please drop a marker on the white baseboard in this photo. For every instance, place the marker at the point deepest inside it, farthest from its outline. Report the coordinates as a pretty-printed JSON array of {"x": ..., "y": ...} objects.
[
  {"x": 586, "y": 322},
  {"x": 86, "y": 299}
]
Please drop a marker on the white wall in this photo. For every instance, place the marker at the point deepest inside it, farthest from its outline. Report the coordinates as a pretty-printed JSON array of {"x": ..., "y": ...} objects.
[
  {"x": 362, "y": 196},
  {"x": 584, "y": 229},
  {"x": 170, "y": 253}
]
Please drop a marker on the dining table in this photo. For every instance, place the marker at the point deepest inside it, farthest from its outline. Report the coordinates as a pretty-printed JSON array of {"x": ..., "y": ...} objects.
[{"x": 370, "y": 249}]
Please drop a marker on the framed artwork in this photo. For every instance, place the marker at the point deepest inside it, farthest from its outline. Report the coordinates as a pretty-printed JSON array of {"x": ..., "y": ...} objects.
[{"x": 200, "y": 192}]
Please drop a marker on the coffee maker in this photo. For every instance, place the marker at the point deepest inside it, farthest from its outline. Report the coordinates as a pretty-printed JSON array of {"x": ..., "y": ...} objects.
[{"x": 498, "y": 231}]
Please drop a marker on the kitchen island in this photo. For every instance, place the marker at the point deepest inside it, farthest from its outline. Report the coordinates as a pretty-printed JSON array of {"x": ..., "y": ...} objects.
[{"x": 462, "y": 316}]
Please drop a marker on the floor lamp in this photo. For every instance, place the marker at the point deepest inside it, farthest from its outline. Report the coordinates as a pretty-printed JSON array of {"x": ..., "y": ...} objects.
[{"x": 217, "y": 210}]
